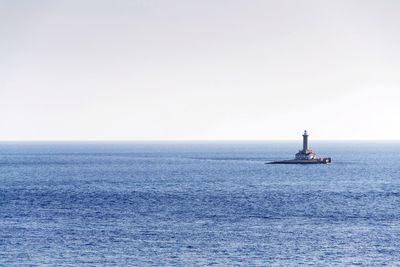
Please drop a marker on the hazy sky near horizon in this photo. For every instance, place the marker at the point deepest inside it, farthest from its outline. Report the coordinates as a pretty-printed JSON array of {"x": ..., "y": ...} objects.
[{"x": 209, "y": 69}]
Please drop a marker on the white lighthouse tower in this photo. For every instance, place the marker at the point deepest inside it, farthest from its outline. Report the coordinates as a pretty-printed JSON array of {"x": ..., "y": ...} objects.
[{"x": 305, "y": 141}]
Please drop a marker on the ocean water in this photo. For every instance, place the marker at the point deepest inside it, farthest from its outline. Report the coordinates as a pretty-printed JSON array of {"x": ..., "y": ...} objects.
[{"x": 199, "y": 203}]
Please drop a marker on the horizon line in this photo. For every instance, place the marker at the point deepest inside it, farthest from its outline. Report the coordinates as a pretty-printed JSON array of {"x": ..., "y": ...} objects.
[{"x": 183, "y": 140}]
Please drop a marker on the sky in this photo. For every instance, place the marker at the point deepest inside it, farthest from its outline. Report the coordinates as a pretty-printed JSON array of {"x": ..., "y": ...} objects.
[{"x": 199, "y": 70}]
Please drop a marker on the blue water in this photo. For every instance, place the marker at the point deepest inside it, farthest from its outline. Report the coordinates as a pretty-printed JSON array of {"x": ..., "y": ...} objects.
[{"x": 189, "y": 204}]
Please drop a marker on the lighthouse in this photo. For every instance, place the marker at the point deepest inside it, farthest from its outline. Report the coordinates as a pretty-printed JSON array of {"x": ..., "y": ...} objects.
[
  {"x": 305, "y": 141},
  {"x": 306, "y": 153}
]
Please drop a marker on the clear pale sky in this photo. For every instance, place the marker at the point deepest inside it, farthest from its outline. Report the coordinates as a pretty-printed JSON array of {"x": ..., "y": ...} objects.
[{"x": 209, "y": 69}]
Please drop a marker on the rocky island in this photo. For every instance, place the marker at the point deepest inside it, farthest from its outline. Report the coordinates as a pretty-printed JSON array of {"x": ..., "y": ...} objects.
[{"x": 304, "y": 156}]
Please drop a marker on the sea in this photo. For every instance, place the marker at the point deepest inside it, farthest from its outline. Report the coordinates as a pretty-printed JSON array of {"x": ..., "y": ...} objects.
[{"x": 198, "y": 204}]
